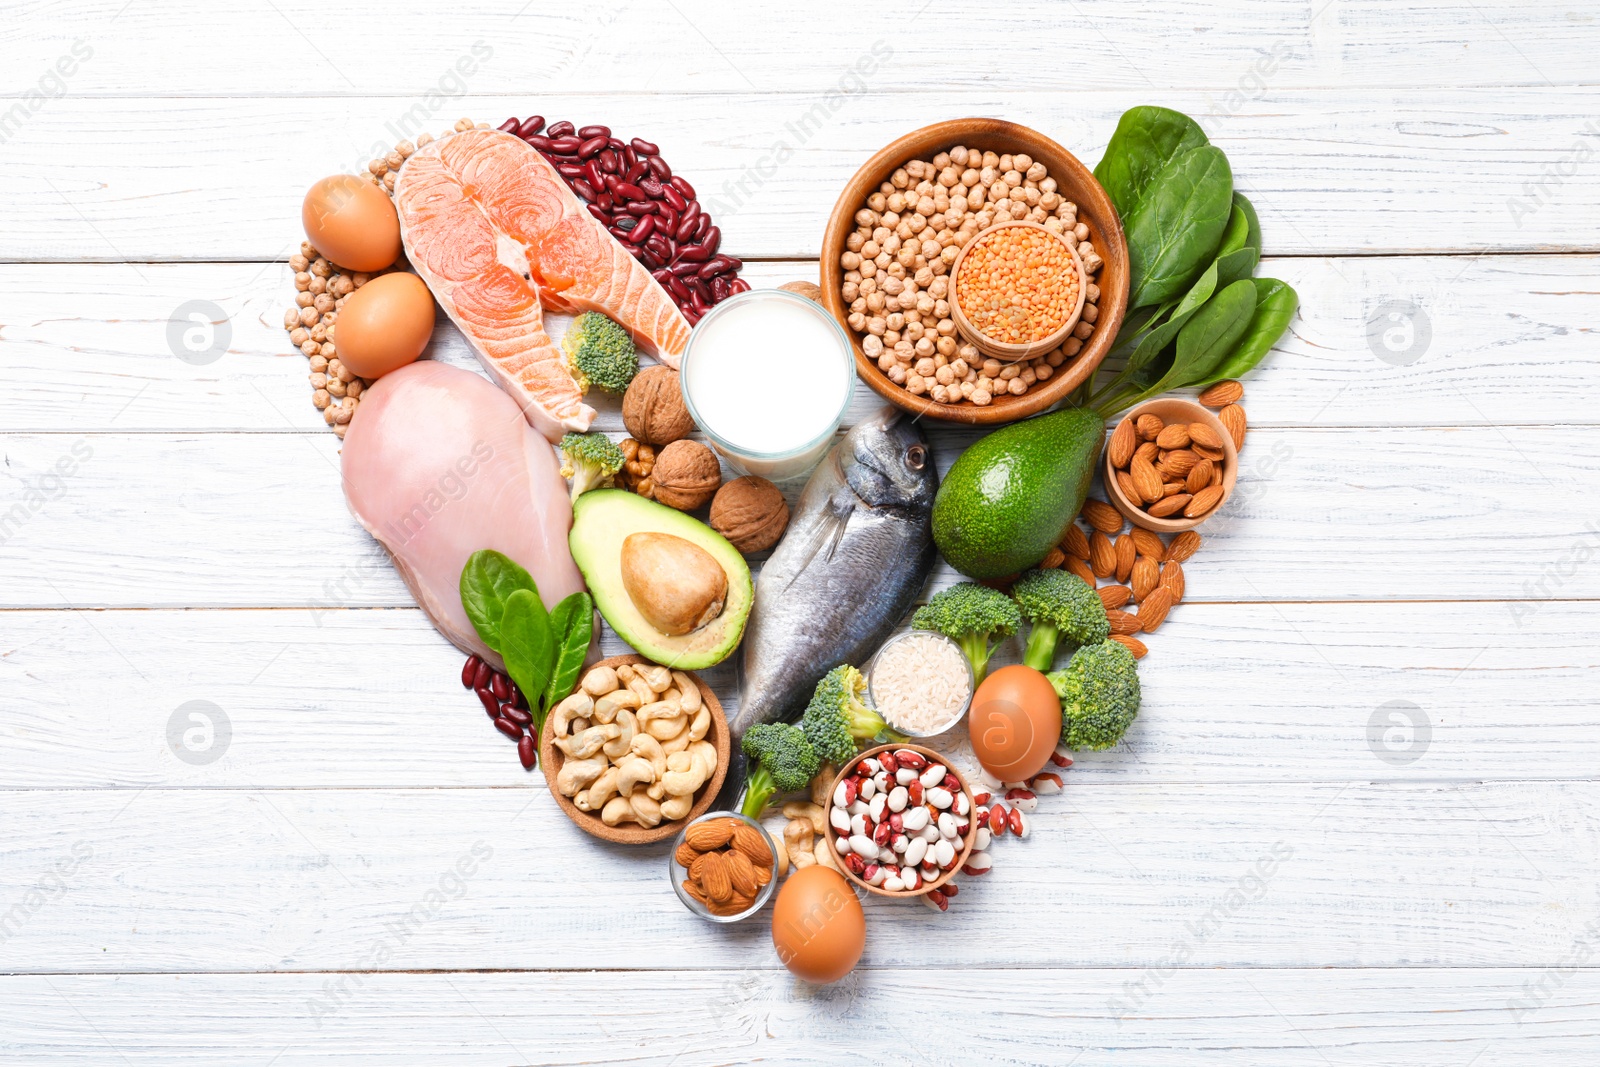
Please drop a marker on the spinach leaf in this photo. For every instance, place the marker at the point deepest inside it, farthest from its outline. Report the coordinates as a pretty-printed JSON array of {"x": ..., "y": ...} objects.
[
  {"x": 528, "y": 645},
  {"x": 1275, "y": 307},
  {"x": 1213, "y": 332},
  {"x": 1239, "y": 263},
  {"x": 1175, "y": 228},
  {"x": 571, "y": 627},
  {"x": 1238, "y": 231},
  {"x": 1142, "y": 367},
  {"x": 1253, "y": 237},
  {"x": 487, "y": 582},
  {"x": 1145, "y": 140}
]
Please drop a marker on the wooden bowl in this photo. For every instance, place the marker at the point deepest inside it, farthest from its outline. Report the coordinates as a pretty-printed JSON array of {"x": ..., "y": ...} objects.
[
  {"x": 1074, "y": 181},
  {"x": 1010, "y": 351},
  {"x": 552, "y": 759},
  {"x": 966, "y": 844},
  {"x": 1170, "y": 410}
]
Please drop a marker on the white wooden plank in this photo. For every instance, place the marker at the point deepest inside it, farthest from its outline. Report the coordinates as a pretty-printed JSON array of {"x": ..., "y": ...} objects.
[
  {"x": 1358, "y": 874},
  {"x": 1232, "y": 692},
  {"x": 1008, "y": 1017},
  {"x": 1502, "y": 339},
  {"x": 259, "y": 520},
  {"x": 700, "y": 45},
  {"x": 1331, "y": 170}
]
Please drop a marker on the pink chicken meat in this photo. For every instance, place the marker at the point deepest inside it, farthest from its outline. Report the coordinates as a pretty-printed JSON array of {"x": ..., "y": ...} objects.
[
  {"x": 438, "y": 464},
  {"x": 498, "y": 236}
]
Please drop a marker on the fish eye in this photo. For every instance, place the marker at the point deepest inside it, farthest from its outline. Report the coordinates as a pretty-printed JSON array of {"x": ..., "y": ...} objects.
[{"x": 916, "y": 457}]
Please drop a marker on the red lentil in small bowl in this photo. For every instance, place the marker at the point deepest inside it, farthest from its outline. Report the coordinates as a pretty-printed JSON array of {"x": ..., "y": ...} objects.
[{"x": 1018, "y": 290}]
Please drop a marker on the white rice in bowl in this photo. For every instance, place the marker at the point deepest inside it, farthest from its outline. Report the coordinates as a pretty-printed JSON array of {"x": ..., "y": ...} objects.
[{"x": 921, "y": 683}]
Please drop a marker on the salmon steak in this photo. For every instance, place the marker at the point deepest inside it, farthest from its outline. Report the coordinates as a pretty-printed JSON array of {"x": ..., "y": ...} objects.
[{"x": 494, "y": 230}]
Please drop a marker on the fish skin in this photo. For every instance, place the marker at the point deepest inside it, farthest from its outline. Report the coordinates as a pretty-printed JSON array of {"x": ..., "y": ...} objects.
[{"x": 858, "y": 550}]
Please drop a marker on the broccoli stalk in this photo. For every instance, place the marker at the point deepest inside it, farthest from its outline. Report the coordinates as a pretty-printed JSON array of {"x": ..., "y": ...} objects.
[
  {"x": 599, "y": 352},
  {"x": 972, "y": 615},
  {"x": 1099, "y": 691},
  {"x": 782, "y": 761},
  {"x": 590, "y": 460},
  {"x": 836, "y": 718},
  {"x": 1058, "y": 604}
]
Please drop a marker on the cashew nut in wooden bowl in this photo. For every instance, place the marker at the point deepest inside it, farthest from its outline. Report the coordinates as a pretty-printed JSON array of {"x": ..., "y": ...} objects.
[
  {"x": 644, "y": 777},
  {"x": 1074, "y": 181}
]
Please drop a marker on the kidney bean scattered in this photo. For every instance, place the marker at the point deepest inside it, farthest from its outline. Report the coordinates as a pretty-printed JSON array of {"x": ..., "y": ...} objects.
[
  {"x": 505, "y": 705},
  {"x": 632, "y": 191}
]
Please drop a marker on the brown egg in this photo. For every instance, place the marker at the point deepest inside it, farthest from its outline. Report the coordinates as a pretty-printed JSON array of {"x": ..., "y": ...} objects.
[
  {"x": 352, "y": 222},
  {"x": 1015, "y": 722},
  {"x": 385, "y": 324},
  {"x": 817, "y": 925}
]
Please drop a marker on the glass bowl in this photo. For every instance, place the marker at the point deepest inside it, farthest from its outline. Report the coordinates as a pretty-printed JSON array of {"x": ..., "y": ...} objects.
[
  {"x": 677, "y": 873},
  {"x": 956, "y": 716}
]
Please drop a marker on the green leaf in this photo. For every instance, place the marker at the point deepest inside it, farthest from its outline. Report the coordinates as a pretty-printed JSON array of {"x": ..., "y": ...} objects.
[
  {"x": 1146, "y": 139},
  {"x": 1253, "y": 237},
  {"x": 1238, "y": 232},
  {"x": 1212, "y": 334},
  {"x": 1239, "y": 263},
  {"x": 528, "y": 646},
  {"x": 1275, "y": 307},
  {"x": 487, "y": 582},
  {"x": 1176, "y": 226},
  {"x": 571, "y": 627},
  {"x": 1142, "y": 367}
]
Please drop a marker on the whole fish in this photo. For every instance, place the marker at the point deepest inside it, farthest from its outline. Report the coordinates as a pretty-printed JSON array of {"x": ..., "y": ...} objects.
[{"x": 858, "y": 549}]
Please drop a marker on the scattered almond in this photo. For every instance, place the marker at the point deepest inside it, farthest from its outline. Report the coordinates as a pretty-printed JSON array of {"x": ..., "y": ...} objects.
[
  {"x": 1183, "y": 546},
  {"x": 1145, "y": 577},
  {"x": 1233, "y": 420},
  {"x": 1172, "y": 580},
  {"x": 1102, "y": 555},
  {"x": 1076, "y": 543},
  {"x": 1053, "y": 559},
  {"x": 1153, "y": 610},
  {"x": 1114, "y": 596},
  {"x": 1132, "y": 644},
  {"x": 1082, "y": 570},
  {"x": 1125, "y": 556},
  {"x": 1122, "y": 622},
  {"x": 1149, "y": 543},
  {"x": 1222, "y": 394},
  {"x": 1102, "y": 516},
  {"x": 1124, "y": 439}
]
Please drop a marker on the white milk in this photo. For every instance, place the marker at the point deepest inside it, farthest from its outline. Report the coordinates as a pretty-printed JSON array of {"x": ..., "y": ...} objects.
[{"x": 767, "y": 376}]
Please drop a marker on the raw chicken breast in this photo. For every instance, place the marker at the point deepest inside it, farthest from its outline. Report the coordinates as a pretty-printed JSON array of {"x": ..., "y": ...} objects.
[
  {"x": 438, "y": 464},
  {"x": 498, "y": 236}
]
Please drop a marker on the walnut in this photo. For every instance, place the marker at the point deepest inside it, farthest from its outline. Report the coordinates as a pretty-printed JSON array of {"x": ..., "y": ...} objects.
[
  {"x": 653, "y": 407},
  {"x": 751, "y": 513},
  {"x": 686, "y": 475},
  {"x": 809, "y": 290},
  {"x": 638, "y": 465}
]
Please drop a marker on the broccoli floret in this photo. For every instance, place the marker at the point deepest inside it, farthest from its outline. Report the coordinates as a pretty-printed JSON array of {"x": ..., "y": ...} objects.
[
  {"x": 973, "y": 615},
  {"x": 782, "y": 761},
  {"x": 600, "y": 353},
  {"x": 590, "y": 460},
  {"x": 836, "y": 718},
  {"x": 1058, "y": 604},
  {"x": 1099, "y": 691}
]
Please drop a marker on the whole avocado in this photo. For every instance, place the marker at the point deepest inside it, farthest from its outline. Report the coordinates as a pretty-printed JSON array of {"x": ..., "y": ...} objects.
[{"x": 1010, "y": 497}]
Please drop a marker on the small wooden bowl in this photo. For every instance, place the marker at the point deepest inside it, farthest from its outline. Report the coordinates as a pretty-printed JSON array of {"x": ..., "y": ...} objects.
[
  {"x": 552, "y": 759},
  {"x": 1170, "y": 410},
  {"x": 1010, "y": 351},
  {"x": 1074, "y": 182},
  {"x": 966, "y": 844}
]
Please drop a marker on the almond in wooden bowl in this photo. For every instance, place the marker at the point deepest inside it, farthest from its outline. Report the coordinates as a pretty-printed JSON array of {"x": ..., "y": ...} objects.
[
  {"x": 606, "y": 748},
  {"x": 1159, "y": 455},
  {"x": 1074, "y": 183}
]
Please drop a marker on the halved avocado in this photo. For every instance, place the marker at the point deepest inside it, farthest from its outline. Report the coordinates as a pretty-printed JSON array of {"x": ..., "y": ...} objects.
[{"x": 602, "y": 522}]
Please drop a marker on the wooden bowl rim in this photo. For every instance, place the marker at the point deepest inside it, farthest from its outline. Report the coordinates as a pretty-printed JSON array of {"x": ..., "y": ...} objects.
[
  {"x": 1010, "y": 351},
  {"x": 551, "y": 759},
  {"x": 966, "y": 846},
  {"x": 1194, "y": 412},
  {"x": 1094, "y": 203}
]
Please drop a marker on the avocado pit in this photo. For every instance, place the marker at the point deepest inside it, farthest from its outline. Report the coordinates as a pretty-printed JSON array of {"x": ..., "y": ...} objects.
[{"x": 675, "y": 584}]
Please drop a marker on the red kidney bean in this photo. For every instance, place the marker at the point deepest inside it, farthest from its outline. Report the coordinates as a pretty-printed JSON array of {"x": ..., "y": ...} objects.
[
  {"x": 599, "y": 212},
  {"x": 591, "y": 147},
  {"x": 700, "y": 289},
  {"x": 647, "y": 226},
  {"x": 509, "y": 728},
  {"x": 640, "y": 207},
  {"x": 481, "y": 679},
  {"x": 517, "y": 698},
  {"x": 714, "y": 266},
  {"x": 569, "y": 170},
  {"x": 500, "y": 686},
  {"x": 541, "y": 143},
  {"x": 595, "y": 131},
  {"x": 707, "y": 234},
  {"x": 560, "y": 129},
  {"x": 530, "y": 126},
  {"x": 470, "y": 671},
  {"x": 609, "y": 161},
  {"x": 657, "y": 243},
  {"x": 669, "y": 219},
  {"x": 509, "y": 126},
  {"x": 629, "y": 190},
  {"x": 684, "y": 268},
  {"x": 695, "y": 254},
  {"x": 636, "y": 170},
  {"x": 490, "y": 704},
  {"x": 651, "y": 187},
  {"x": 675, "y": 198},
  {"x": 565, "y": 145},
  {"x": 584, "y": 189},
  {"x": 739, "y": 285},
  {"x": 615, "y": 142},
  {"x": 629, "y": 156},
  {"x": 719, "y": 289},
  {"x": 605, "y": 202},
  {"x": 612, "y": 181},
  {"x": 685, "y": 230},
  {"x": 516, "y": 715},
  {"x": 683, "y": 187},
  {"x": 675, "y": 286},
  {"x": 593, "y": 174},
  {"x": 659, "y": 168},
  {"x": 647, "y": 257},
  {"x": 526, "y": 753},
  {"x": 643, "y": 147}
]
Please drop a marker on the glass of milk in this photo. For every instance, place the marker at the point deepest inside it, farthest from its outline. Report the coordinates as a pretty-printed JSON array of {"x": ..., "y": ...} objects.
[{"x": 767, "y": 376}]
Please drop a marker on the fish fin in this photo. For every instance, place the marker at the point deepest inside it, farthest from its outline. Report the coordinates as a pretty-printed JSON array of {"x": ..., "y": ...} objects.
[{"x": 830, "y": 531}]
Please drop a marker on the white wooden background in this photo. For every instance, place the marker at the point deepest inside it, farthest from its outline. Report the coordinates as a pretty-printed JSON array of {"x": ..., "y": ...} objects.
[{"x": 1418, "y": 527}]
